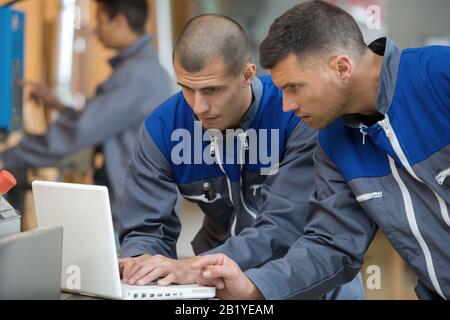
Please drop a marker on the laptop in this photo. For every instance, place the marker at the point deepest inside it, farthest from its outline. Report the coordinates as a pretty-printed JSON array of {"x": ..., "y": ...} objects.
[
  {"x": 89, "y": 260},
  {"x": 31, "y": 265}
]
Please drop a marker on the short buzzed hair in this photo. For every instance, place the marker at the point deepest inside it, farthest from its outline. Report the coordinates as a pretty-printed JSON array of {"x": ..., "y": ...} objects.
[
  {"x": 311, "y": 29},
  {"x": 209, "y": 36}
]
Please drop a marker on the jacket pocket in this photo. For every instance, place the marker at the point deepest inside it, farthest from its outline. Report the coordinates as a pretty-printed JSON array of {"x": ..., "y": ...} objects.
[
  {"x": 202, "y": 198},
  {"x": 217, "y": 208},
  {"x": 369, "y": 196}
]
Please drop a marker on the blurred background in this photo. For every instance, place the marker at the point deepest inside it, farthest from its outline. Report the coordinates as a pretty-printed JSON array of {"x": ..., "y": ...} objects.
[{"x": 61, "y": 51}]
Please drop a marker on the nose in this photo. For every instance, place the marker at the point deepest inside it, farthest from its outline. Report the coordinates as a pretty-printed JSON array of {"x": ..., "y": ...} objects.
[
  {"x": 200, "y": 104},
  {"x": 290, "y": 105}
]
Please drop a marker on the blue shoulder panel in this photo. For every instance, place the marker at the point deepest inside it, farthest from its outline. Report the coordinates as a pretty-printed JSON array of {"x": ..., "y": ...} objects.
[
  {"x": 344, "y": 146},
  {"x": 419, "y": 114},
  {"x": 420, "y": 111}
]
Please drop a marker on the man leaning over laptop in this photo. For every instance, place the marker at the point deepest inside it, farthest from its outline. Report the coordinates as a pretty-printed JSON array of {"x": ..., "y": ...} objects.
[{"x": 254, "y": 209}]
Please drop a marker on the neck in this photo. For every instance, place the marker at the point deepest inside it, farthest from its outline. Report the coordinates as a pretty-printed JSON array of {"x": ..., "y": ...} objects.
[
  {"x": 365, "y": 85},
  {"x": 247, "y": 103},
  {"x": 129, "y": 40}
]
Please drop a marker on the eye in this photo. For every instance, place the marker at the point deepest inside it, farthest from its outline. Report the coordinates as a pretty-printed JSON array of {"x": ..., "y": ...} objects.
[
  {"x": 290, "y": 89},
  {"x": 212, "y": 90}
]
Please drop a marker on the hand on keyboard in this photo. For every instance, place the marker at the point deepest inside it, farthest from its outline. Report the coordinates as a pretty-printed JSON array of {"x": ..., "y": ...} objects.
[{"x": 146, "y": 269}]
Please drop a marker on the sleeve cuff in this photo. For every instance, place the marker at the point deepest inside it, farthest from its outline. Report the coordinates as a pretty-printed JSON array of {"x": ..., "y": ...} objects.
[
  {"x": 260, "y": 282},
  {"x": 134, "y": 249}
]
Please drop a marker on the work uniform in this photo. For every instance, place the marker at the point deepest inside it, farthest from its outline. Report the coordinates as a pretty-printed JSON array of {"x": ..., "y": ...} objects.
[
  {"x": 388, "y": 172},
  {"x": 254, "y": 208}
]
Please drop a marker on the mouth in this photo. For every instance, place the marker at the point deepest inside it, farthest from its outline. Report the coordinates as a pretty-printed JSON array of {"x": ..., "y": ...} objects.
[
  {"x": 208, "y": 120},
  {"x": 305, "y": 118}
]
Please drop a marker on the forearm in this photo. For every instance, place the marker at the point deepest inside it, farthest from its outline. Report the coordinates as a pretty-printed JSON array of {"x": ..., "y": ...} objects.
[
  {"x": 133, "y": 246},
  {"x": 148, "y": 221},
  {"x": 32, "y": 151},
  {"x": 308, "y": 272},
  {"x": 255, "y": 246}
]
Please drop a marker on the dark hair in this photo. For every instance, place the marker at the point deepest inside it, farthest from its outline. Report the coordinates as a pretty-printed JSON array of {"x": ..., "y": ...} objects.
[
  {"x": 310, "y": 29},
  {"x": 136, "y": 12},
  {"x": 208, "y": 36}
]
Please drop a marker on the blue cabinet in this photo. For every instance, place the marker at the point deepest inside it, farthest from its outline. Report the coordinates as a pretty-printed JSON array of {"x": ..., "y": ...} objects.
[{"x": 12, "y": 25}]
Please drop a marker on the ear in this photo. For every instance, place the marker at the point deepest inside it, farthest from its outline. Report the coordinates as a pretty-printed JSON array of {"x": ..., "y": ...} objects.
[
  {"x": 342, "y": 66},
  {"x": 121, "y": 21},
  {"x": 249, "y": 74}
]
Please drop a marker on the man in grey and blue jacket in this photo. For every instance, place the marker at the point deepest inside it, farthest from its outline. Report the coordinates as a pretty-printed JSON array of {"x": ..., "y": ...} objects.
[
  {"x": 111, "y": 119},
  {"x": 382, "y": 159},
  {"x": 226, "y": 145}
]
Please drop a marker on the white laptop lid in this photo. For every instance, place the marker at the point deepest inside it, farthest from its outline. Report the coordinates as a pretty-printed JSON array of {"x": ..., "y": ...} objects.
[{"x": 89, "y": 262}]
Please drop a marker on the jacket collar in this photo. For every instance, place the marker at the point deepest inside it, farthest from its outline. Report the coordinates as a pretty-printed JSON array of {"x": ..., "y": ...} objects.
[
  {"x": 248, "y": 118},
  {"x": 388, "y": 78},
  {"x": 125, "y": 54}
]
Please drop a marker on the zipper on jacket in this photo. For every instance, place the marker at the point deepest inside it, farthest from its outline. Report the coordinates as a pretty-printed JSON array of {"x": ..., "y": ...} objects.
[
  {"x": 216, "y": 153},
  {"x": 387, "y": 127},
  {"x": 244, "y": 141},
  {"x": 213, "y": 146},
  {"x": 390, "y": 134},
  {"x": 255, "y": 188},
  {"x": 243, "y": 147},
  {"x": 440, "y": 178},
  {"x": 369, "y": 196},
  {"x": 362, "y": 129}
]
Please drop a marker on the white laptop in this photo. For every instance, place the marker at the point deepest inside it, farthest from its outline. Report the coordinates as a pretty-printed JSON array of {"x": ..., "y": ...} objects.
[{"x": 89, "y": 263}]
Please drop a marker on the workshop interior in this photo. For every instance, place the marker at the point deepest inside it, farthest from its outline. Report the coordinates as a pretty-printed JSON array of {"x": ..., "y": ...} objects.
[{"x": 53, "y": 42}]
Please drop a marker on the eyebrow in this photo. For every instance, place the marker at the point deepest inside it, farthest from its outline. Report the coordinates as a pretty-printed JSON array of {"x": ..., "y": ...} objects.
[
  {"x": 290, "y": 84},
  {"x": 184, "y": 86},
  {"x": 202, "y": 89}
]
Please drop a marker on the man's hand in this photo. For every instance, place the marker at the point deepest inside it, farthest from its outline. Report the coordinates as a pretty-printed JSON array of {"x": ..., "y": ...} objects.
[
  {"x": 231, "y": 283},
  {"x": 40, "y": 94},
  {"x": 145, "y": 269}
]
